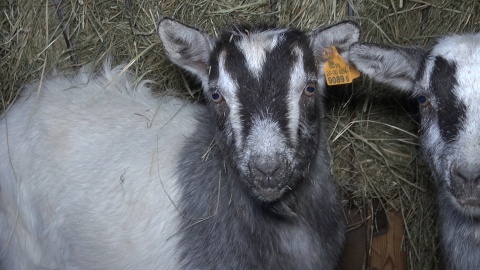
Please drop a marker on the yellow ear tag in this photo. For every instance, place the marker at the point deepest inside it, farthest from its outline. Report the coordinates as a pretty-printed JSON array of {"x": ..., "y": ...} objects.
[{"x": 337, "y": 71}]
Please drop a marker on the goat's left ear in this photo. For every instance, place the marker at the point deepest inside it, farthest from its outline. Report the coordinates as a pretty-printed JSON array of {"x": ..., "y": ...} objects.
[
  {"x": 397, "y": 67},
  {"x": 187, "y": 47},
  {"x": 340, "y": 35}
]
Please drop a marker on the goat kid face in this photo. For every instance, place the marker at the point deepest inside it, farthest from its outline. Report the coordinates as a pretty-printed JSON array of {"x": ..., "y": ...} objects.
[
  {"x": 445, "y": 82},
  {"x": 265, "y": 87},
  {"x": 270, "y": 104}
]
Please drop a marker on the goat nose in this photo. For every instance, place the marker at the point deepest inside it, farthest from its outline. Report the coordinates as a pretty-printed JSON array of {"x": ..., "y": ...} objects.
[
  {"x": 467, "y": 175},
  {"x": 268, "y": 168}
]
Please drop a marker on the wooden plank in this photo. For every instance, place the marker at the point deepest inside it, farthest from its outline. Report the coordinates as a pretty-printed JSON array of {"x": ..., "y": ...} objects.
[{"x": 386, "y": 252}]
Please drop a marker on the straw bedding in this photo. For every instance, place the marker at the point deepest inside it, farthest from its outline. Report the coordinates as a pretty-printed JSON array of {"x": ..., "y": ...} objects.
[{"x": 372, "y": 131}]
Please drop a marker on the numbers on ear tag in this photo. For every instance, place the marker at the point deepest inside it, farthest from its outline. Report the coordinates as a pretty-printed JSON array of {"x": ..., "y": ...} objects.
[{"x": 337, "y": 71}]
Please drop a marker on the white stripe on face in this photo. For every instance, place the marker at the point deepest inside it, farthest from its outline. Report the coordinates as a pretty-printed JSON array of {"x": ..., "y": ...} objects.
[
  {"x": 297, "y": 81},
  {"x": 255, "y": 48},
  {"x": 467, "y": 91},
  {"x": 229, "y": 89}
]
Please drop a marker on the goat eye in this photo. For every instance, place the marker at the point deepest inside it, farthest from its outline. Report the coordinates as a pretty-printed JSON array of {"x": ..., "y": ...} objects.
[
  {"x": 309, "y": 89},
  {"x": 216, "y": 97},
  {"x": 422, "y": 100}
]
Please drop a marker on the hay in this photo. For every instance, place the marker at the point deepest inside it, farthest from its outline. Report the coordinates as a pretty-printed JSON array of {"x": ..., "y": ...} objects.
[
  {"x": 375, "y": 156},
  {"x": 373, "y": 137}
]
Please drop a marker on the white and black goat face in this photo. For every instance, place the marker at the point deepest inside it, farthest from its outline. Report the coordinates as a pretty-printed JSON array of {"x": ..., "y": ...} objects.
[
  {"x": 445, "y": 80},
  {"x": 265, "y": 87}
]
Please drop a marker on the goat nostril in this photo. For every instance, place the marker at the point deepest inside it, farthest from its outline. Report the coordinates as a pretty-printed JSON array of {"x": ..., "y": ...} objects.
[{"x": 268, "y": 168}]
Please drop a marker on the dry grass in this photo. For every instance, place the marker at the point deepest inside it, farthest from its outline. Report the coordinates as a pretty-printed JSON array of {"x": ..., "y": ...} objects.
[
  {"x": 375, "y": 156},
  {"x": 373, "y": 138}
]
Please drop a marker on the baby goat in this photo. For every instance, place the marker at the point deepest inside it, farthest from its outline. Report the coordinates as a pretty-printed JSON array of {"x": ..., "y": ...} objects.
[
  {"x": 445, "y": 80},
  {"x": 94, "y": 175}
]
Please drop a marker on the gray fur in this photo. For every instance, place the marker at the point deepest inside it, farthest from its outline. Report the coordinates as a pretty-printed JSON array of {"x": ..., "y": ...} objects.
[
  {"x": 229, "y": 229},
  {"x": 393, "y": 66},
  {"x": 239, "y": 221},
  {"x": 447, "y": 77}
]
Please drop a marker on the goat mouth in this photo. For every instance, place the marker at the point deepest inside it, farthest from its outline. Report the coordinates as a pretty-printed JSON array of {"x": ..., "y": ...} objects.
[
  {"x": 468, "y": 205},
  {"x": 269, "y": 194},
  {"x": 469, "y": 202},
  {"x": 467, "y": 199}
]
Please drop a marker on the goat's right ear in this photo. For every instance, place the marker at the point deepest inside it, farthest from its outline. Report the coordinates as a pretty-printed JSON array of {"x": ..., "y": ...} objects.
[
  {"x": 397, "y": 67},
  {"x": 187, "y": 47}
]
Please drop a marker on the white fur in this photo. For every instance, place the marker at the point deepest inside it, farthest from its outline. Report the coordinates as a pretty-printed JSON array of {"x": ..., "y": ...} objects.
[
  {"x": 116, "y": 211},
  {"x": 255, "y": 48},
  {"x": 297, "y": 81},
  {"x": 265, "y": 140},
  {"x": 228, "y": 88},
  {"x": 464, "y": 51}
]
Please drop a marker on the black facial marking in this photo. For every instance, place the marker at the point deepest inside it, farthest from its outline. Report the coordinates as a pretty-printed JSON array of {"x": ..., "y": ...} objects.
[
  {"x": 451, "y": 111},
  {"x": 272, "y": 85}
]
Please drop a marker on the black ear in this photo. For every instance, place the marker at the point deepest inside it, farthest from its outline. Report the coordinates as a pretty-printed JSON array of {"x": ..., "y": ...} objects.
[
  {"x": 341, "y": 35},
  {"x": 397, "y": 67},
  {"x": 187, "y": 47}
]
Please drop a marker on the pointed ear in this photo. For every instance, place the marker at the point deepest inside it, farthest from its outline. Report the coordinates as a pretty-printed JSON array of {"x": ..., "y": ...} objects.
[
  {"x": 397, "y": 67},
  {"x": 340, "y": 35},
  {"x": 187, "y": 47}
]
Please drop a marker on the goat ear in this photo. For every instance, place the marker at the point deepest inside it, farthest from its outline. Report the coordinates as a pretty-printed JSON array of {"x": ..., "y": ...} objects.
[
  {"x": 187, "y": 47},
  {"x": 340, "y": 35},
  {"x": 397, "y": 67}
]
